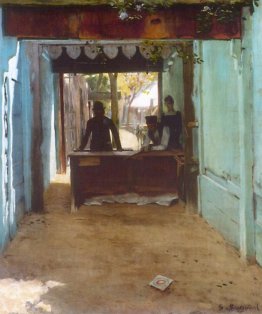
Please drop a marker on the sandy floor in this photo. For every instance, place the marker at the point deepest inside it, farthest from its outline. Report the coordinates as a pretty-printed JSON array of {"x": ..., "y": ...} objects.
[{"x": 101, "y": 259}]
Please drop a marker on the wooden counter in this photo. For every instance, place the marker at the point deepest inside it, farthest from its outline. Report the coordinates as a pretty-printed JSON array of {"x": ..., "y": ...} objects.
[{"x": 103, "y": 173}]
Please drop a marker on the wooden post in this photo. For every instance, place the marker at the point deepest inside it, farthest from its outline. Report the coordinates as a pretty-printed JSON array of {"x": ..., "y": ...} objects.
[
  {"x": 37, "y": 135},
  {"x": 73, "y": 182},
  {"x": 160, "y": 94},
  {"x": 191, "y": 166},
  {"x": 247, "y": 223},
  {"x": 61, "y": 126}
]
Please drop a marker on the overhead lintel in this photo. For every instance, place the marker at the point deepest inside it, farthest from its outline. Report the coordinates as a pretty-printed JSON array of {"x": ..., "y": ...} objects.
[{"x": 100, "y": 22}]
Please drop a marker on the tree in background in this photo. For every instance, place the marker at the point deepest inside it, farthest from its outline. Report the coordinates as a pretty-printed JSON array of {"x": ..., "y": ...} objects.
[
  {"x": 114, "y": 98},
  {"x": 98, "y": 82},
  {"x": 106, "y": 82},
  {"x": 131, "y": 84}
]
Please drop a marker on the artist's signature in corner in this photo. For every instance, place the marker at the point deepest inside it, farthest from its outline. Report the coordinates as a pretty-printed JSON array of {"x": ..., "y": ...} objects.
[{"x": 239, "y": 308}]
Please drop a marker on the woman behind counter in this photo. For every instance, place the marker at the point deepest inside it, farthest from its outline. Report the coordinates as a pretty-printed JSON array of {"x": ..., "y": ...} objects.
[{"x": 173, "y": 120}]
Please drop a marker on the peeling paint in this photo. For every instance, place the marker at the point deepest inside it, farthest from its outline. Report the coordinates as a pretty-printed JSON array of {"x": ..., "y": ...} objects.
[{"x": 255, "y": 34}]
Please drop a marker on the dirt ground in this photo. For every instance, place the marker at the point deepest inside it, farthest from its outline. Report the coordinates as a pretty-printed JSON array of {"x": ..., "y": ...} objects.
[{"x": 101, "y": 259}]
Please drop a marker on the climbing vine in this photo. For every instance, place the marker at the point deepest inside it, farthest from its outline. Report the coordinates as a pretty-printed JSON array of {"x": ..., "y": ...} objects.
[
  {"x": 221, "y": 12},
  {"x": 156, "y": 50},
  {"x": 134, "y": 9}
]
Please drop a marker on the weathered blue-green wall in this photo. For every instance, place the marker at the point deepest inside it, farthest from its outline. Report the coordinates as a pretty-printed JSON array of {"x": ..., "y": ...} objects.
[
  {"x": 23, "y": 90},
  {"x": 173, "y": 83},
  {"x": 255, "y": 34},
  {"x": 216, "y": 101},
  {"x": 27, "y": 105},
  {"x": 49, "y": 97},
  {"x": 8, "y": 49},
  {"x": 220, "y": 111},
  {"x": 16, "y": 175},
  {"x": 223, "y": 97},
  {"x": 14, "y": 125}
]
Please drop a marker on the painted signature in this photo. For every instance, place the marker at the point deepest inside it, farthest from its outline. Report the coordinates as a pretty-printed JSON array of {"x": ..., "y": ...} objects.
[{"x": 239, "y": 308}]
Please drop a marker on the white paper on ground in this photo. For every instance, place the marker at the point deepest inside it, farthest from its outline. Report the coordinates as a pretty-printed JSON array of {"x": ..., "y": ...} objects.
[
  {"x": 161, "y": 282},
  {"x": 132, "y": 198}
]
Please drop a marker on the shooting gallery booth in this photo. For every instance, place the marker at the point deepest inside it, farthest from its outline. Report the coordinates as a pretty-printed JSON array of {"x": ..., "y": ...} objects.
[{"x": 148, "y": 174}]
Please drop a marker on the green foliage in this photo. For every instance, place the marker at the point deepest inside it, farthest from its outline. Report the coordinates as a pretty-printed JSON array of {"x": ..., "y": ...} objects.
[
  {"x": 204, "y": 20},
  {"x": 133, "y": 9},
  {"x": 155, "y": 49},
  {"x": 98, "y": 82},
  {"x": 222, "y": 13},
  {"x": 185, "y": 56},
  {"x": 132, "y": 83}
]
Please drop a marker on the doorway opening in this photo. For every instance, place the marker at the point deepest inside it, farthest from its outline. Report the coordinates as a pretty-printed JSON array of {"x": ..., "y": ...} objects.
[{"x": 131, "y": 85}]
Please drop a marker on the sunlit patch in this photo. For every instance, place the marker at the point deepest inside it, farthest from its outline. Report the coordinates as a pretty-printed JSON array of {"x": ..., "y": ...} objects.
[{"x": 21, "y": 296}]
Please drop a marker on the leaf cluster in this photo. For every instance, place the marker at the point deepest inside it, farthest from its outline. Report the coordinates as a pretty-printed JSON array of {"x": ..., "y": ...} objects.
[
  {"x": 222, "y": 13},
  {"x": 133, "y": 82},
  {"x": 98, "y": 82},
  {"x": 155, "y": 50},
  {"x": 133, "y": 9}
]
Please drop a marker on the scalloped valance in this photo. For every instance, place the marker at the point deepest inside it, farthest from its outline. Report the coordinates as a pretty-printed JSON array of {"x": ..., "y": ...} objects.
[{"x": 111, "y": 51}]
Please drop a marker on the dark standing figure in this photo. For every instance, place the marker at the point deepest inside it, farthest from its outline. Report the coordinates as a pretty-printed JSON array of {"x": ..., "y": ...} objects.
[
  {"x": 99, "y": 128},
  {"x": 173, "y": 120}
]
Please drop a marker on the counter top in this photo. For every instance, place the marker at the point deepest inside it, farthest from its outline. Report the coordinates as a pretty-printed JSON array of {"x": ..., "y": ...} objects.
[{"x": 124, "y": 153}]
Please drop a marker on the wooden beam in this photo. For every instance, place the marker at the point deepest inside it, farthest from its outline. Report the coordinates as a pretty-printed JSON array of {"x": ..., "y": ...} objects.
[
  {"x": 105, "y": 2},
  {"x": 102, "y": 22}
]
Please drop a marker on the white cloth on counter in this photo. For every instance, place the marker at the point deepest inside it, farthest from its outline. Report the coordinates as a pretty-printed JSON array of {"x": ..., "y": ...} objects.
[{"x": 163, "y": 141}]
